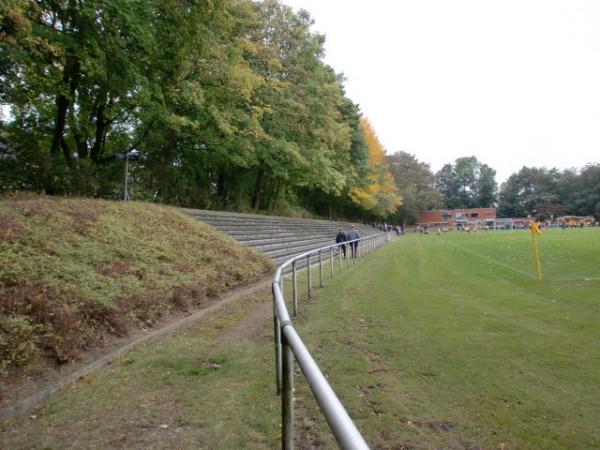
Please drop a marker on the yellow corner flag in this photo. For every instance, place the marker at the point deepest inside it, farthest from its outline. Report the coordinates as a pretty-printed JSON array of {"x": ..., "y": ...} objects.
[{"x": 535, "y": 232}]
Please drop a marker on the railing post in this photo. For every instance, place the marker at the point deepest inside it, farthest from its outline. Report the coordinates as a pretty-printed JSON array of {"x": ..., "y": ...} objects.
[
  {"x": 287, "y": 397},
  {"x": 294, "y": 289},
  {"x": 344, "y": 429},
  {"x": 277, "y": 337},
  {"x": 320, "y": 269},
  {"x": 308, "y": 275},
  {"x": 331, "y": 260}
]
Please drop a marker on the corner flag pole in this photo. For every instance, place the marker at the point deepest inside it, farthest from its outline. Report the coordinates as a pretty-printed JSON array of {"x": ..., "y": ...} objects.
[{"x": 535, "y": 232}]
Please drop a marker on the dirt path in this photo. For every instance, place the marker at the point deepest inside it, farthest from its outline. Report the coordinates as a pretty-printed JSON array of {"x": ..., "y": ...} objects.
[
  {"x": 28, "y": 394},
  {"x": 253, "y": 326}
]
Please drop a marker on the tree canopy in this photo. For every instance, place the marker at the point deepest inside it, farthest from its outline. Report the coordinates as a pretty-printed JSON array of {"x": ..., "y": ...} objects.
[
  {"x": 467, "y": 183},
  {"x": 229, "y": 105},
  {"x": 377, "y": 193},
  {"x": 416, "y": 183},
  {"x": 549, "y": 192}
]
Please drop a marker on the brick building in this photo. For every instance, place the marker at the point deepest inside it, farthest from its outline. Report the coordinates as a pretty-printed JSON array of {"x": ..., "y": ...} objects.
[{"x": 451, "y": 217}]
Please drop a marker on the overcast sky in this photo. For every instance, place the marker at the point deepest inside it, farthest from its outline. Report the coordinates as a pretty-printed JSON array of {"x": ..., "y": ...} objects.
[{"x": 513, "y": 82}]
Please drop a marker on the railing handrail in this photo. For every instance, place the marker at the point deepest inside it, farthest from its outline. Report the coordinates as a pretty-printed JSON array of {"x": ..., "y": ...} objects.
[{"x": 289, "y": 344}]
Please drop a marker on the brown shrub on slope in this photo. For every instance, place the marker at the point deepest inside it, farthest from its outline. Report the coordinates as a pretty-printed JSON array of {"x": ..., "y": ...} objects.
[{"x": 75, "y": 271}]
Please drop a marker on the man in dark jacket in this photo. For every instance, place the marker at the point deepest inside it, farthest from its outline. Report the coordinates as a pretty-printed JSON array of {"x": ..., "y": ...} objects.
[
  {"x": 352, "y": 235},
  {"x": 341, "y": 238}
]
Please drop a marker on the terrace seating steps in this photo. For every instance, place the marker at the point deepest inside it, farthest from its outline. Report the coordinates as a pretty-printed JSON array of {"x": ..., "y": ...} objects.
[{"x": 279, "y": 238}]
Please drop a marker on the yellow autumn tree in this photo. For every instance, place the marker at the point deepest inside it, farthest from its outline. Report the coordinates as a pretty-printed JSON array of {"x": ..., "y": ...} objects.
[{"x": 378, "y": 192}]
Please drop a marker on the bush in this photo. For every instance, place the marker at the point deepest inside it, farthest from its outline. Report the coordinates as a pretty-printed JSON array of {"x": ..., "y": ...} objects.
[{"x": 18, "y": 341}]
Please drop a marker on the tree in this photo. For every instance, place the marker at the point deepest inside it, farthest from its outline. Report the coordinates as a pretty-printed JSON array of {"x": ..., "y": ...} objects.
[
  {"x": 486, "y": 187},
  {"x": 78, "y": 72},
  {"x": 467, "y": 184},
  {"x": 378, "y": 192},
  {"x": 416, "y": 183},
  {"x": 228, "y": 102},
  {"x": 466, "y": 173},
  {"x": 445, "y": 183},
  {"x": 524, "y": 191},
  {"x": 579, "y": 191}
]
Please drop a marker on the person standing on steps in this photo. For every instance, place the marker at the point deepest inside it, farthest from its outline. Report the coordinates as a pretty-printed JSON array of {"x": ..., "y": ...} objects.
[
  {"x": 341, "y": 239},
  {"x": 352, "y": 235}
]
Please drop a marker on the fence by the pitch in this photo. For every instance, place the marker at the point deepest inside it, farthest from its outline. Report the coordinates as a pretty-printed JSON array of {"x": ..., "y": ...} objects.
[{"x": 289, "y": 345}]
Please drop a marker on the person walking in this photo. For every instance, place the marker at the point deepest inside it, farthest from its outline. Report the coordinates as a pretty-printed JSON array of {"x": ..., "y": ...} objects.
[
  {"x": 341, "y": 238},
  {"x": 353, "y": 234}
]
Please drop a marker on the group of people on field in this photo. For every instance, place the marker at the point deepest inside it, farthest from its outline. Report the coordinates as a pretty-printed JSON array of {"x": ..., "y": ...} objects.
[{"x": 351, "y": 237}]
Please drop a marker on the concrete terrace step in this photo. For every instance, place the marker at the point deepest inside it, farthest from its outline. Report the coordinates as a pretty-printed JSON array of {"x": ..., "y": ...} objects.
[
  {"x": 296, "y": 248},
  {"x": 236, "y": 222},
  {"x": 275, "y": 245},
  {"x": 280, "y": 238}
]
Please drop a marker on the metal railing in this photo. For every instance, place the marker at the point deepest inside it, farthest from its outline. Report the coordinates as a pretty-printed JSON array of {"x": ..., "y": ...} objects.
[{"x": 288, "y": 343}]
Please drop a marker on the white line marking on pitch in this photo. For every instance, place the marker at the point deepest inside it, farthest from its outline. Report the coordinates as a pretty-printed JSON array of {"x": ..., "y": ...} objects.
[{"x": 506, "y": 266}]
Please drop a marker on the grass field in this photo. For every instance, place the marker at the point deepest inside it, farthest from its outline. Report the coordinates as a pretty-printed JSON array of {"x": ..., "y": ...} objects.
[
  {"x": 451, "y": 342},
  {"x": 432, "y": 342}
]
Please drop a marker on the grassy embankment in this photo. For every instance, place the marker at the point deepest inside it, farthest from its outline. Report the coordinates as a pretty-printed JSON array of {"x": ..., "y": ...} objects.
[
  {"x": 73, "y": 272},
  {"x": 444, "y": 342}
]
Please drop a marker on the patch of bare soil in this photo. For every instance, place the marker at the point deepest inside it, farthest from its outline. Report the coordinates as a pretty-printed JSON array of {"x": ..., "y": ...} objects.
[
  {"x": 20, "y": 397},
  {"x": 256, "y": 325},
  {"x": 308, "y": 434}
]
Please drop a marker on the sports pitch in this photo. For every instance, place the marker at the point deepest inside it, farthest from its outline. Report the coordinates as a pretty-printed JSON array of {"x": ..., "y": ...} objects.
[{"x": 450, "y": 341}]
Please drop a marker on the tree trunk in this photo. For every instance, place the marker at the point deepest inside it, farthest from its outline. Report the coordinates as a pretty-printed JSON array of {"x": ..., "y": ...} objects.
[
  {"x": 62, "y": 104},
  {"x": 260, "y": 177},
  {"x": 98, "y": 149},
  {"x": 222, "y": 188},
  {"x": 69, "y": 158},
  {"x": 60, "y": 121},
  {"x": 275, "y": 193}
]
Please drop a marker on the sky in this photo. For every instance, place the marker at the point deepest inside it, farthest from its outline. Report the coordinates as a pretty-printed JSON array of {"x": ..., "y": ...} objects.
[{"x": 514, "y": 82}]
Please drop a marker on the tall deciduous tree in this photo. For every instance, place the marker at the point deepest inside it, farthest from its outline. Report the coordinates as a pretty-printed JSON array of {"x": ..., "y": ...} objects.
[
  {"x": 378, "y": 192},
  {"x": 524, "y": 191},
  {"x": 550, "y": 192},
  {"x": 228, "y": 102},
  {"x": 467, "y": 184},
  {"x": 416, "y": 183},
  {"x": 78, "y": 72}
]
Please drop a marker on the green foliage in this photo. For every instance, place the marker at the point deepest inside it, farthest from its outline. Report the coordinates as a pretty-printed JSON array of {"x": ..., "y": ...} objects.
[
  {"x": 415, "y": 181},
  {"x": 467, "y": 184},
  {"x": 18, "y": 342},
  {"x": 550, "y": 192},
  {"x": 228, "y": 102}
]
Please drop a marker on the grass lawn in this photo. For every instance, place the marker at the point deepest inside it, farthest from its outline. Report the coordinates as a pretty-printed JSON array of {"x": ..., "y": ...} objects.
[
  {"x": 451, "y": 342},
  {"x": 196, "y": 390},
  {"x": 432, "y": 342}
]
